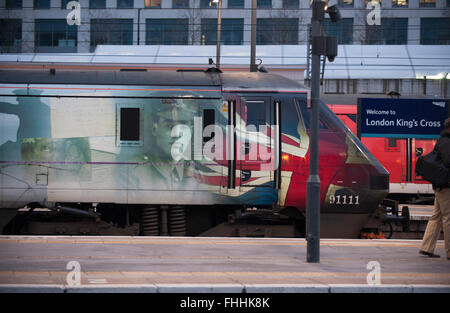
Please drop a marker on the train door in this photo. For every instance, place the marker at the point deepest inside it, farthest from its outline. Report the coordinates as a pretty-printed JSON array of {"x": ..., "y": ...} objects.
[{"x": 258, "y": 147}]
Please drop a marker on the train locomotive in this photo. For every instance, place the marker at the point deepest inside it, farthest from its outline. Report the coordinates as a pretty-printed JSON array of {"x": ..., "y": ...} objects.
[{"x": 197, "y": 153}]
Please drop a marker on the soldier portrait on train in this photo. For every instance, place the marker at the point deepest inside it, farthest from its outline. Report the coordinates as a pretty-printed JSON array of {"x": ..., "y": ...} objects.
[
  {"x": 156, "y": 167},
  {"x": 33, "y": 116}
]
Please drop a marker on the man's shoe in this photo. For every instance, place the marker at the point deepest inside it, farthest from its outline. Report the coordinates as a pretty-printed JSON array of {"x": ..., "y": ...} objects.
[{"x": 429, "y": 254}]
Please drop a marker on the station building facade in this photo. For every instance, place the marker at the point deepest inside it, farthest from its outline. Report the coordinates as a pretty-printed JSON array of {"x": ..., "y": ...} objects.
[{"x": 41, "y": 26}]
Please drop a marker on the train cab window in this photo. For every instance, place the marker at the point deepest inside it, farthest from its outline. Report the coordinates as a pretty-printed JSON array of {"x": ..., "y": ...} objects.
[
  {"x": 306, "y": 113},
  {"x": 208, "y": 119},
  {"x": 129, "y": 126},
  {"x": 352, "y": 117},
  {"x": 256, "y": 115}
]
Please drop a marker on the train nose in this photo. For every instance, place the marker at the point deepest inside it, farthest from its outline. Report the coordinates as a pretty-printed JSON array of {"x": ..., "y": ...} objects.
[{"x": 361, "y": 184}]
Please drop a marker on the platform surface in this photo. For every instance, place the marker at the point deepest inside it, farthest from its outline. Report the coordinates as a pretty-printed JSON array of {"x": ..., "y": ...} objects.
[{"x": 187, "y": 264}]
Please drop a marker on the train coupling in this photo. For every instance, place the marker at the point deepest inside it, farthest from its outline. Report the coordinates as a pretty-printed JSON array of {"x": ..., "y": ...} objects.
[{"x": 392, "y": 215}]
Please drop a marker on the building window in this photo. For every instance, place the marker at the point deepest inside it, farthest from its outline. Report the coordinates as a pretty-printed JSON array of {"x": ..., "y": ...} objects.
[
  {"x": 345, "y": 3},
  {"x": 13, "y": 4},
  {"x": 232, "y": 31},
  {"x": 11, "y": 35},
  {"x": 97, "y": 4},
  {"x": 180, "y": 4},
  {"x": 392, "y": 31},
  {"x": 125, "y": 4},
  {"x": 435, "y": 31},
  {"x": 55, "y": 35},
  {"x": 277, "y": 31},
  {"x": 235, "y": 3},
  {"x": 41, "y": 4},
  {"x": 427, "y": 3},
  {"x": 378, "y": 1},
  {"x": 448, "y": 3},
  {"x": 208, "y": 4},
  {"x": 169, "y": 31},
  {"x": 343, "y": 30},
  {"x": 264, "y": 4},
  {"x": 399, "y": 3},
  {"x": 290, "y": 4},
  {"x": 111, "y": 32},
  {"x": 153, "y": 4},
  {"x": 64, "y": 4}
]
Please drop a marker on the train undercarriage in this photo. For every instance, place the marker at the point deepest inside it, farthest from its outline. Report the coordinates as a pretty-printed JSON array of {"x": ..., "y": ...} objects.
[{"x": 217, "y": 221}]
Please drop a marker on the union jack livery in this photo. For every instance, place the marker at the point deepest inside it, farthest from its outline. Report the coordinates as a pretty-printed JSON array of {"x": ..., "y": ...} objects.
[{"x": 174, "y": 153}]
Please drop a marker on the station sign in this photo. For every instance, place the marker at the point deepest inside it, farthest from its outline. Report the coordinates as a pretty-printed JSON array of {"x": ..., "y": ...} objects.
[{"x": 401, "y": 118}]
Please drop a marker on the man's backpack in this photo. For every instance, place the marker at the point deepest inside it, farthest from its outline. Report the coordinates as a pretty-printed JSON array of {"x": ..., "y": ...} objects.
[{"x": 431, "y": 168}]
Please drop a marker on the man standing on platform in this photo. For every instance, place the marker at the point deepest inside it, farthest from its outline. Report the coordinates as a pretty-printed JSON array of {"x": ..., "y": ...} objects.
[{"x": 441, "y": 212}]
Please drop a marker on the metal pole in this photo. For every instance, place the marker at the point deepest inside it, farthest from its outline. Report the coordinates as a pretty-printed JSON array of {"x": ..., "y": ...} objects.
[
  {"x": 313, "y": 182},
  {"x": 139, "y": 26},
  {"x": 219, "y": 26},
  {"x": 253, "y": 67}
]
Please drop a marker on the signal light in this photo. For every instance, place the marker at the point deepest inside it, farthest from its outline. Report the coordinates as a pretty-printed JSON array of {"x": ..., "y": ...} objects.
[{"x": 333, "y": 12}]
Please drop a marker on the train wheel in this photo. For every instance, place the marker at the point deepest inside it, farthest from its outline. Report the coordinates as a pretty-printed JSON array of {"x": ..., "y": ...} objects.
[
  {"x": 387, "y": 229},
  {"x": 150, "y": 221}
]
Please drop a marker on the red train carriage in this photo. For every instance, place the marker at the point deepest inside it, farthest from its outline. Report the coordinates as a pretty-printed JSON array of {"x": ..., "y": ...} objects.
[{"x": 398, "y": 156}]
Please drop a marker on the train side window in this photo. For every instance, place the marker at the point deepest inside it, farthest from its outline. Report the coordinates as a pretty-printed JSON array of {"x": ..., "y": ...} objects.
[
  {"x": 391, "y": 145},
  {"x": 129, "y": 128}
]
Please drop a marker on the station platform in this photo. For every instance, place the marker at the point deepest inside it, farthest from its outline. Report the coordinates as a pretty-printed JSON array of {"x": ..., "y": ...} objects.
[{"x": 67, "y": 264}]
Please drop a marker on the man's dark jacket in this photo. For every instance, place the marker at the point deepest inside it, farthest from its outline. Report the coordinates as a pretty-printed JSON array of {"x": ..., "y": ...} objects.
[{"x": 443, "y": 148}]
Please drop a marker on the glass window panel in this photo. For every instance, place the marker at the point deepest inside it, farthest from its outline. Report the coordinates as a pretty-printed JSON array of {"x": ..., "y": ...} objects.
[
  {"x": 111, "y": 32},
  {"x": 167, "y": 31},
  {"x": 13, "y": 4},
  {"x": 235, "y": 3},
  {"x": 276, "y": 31},
  {"x": 345, "y": 3},
  {"x": 290, "y": 4},
  {"x": 208, "y": 4},
  {"x": 97, "y": 4},
  {"x": 367, "y": 1},
  {"x": 342, "y": 29},
  {"x": 435, "y": 31},
  {"x": 55, "y": 33},
  {"x": 392, "y": 31},
  {"x": 125, "y": 4},
  {"x": 399, "y": 3},
  {"x": 427, "y": 3},
  {"x": 264, "y": 4},
  {"x": 232, "y": 31},
  {"x": 11, "y": 32},
  {"x": 180, "y": 4},
  {"x": 41, "y": 4},
  {"x": 156, "y": 4}
]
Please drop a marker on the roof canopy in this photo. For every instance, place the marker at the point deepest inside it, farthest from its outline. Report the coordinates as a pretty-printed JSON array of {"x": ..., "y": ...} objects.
[{"x": 352, "y": 62}]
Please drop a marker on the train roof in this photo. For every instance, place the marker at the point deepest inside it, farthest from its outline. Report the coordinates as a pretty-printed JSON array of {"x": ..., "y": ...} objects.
[
  {"x": 228, "y": 81},
  {"x": 352, "y": 61}
]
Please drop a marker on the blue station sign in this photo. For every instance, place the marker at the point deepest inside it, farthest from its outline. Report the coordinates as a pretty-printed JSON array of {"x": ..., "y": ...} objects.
[{"x": 401, "y": 118}]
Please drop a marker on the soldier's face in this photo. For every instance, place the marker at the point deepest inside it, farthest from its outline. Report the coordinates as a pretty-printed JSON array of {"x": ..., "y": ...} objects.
[
  {"x": 162, "y": 131},
  {"x": 163, "y": 134}
]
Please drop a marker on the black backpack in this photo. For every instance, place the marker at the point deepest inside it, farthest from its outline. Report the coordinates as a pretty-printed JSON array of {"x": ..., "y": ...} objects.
[{"x": 432, "y": 169}]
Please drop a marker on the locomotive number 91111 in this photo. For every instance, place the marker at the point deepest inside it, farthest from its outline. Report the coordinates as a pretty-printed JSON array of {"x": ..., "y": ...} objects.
[{"x": 344, "y": 199}]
